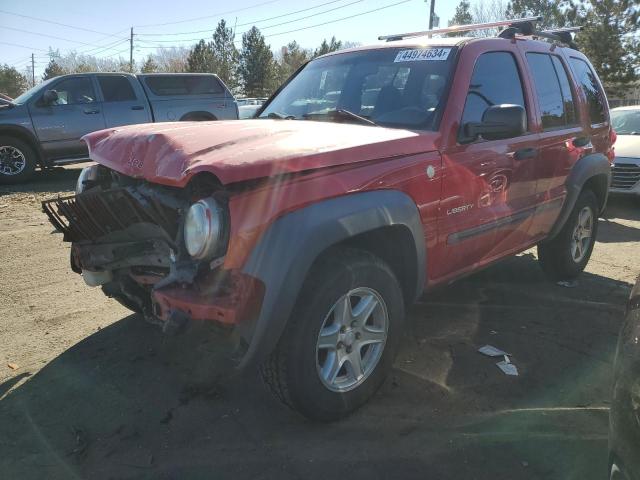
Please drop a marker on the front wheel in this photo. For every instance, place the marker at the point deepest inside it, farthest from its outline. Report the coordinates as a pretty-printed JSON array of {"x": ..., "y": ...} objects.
[
  {"x": 567, "y": 255},
  {"x": 341, "y": 339},
  {"x": 17, "y": 160}
]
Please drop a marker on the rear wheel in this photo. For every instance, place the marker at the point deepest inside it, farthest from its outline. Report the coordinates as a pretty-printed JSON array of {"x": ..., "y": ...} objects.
[
  {"x": 17, "y": 160},
  {"x": 341, "y": 339},
  {"x": 567, "y": 255}
]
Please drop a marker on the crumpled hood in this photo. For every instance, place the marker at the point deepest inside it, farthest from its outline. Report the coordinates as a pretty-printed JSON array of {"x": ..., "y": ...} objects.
[
  {"x": 628, "y": 146},
  {"x": 238, "y": 150}
]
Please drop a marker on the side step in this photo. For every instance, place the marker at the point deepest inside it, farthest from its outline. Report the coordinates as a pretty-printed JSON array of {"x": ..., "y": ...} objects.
[{"x": 68, "y": 161}]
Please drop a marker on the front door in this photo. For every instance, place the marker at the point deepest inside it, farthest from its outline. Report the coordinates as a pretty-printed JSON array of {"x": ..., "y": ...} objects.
[
  {"x": 60, "y": 125},
  {"x": 488, "y": 186}
]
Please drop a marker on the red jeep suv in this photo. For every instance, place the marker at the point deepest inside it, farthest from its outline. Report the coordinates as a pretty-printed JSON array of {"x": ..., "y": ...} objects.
[{"x": 372, "y": 175}]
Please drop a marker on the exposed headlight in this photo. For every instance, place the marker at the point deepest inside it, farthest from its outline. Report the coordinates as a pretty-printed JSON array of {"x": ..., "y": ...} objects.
[
  {"x": 87, "y": 174},
  {"x": 203, "y": 229}
]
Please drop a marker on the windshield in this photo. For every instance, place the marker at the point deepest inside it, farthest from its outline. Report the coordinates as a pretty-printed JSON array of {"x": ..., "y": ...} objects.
[
  {"x": 26, "y": 96},
  {"x": 393, "y": 87},
  {"x": 626, "y": 122}
]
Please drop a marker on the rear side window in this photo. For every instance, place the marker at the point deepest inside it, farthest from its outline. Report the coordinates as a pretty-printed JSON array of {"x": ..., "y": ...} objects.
[
  {"x": 116, "y": 88},
  {"x": 166, "y": 85},
  {"x": 495, "y": 81},
  {"x": 553, "y": 90},
  {"x": 587, "y": 79}
]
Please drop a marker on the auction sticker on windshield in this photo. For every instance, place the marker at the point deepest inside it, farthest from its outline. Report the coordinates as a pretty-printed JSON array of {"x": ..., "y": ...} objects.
[{"x": 419, "y": 54}]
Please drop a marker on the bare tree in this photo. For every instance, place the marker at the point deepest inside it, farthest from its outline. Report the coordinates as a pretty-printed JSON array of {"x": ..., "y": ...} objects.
[
  {"x": 172, "y": 59},
  {"x": 485, "y": 11}
]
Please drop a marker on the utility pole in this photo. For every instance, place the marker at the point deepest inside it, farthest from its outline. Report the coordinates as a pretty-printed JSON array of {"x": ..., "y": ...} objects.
[
  {"x": 131, "y": 52},
  {"x": 33, "y": 70},
  {"x": 432, "y": 13}
]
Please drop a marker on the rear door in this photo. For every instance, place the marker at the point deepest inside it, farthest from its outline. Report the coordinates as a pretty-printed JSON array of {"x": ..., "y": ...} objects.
[
  {"x": 60, "y": 126},
  {"x": 121, "y": 103},
  {"x": 488, "y": 186},
  {"x": 560, "y": 130}
]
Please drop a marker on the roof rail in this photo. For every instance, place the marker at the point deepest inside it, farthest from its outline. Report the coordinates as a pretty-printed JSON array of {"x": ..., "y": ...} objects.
[{"x": 525, "y": 23}]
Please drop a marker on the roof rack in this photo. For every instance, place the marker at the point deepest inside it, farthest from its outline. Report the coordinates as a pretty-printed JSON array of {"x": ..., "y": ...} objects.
[
  {"x": 519, "y": 26},
  {"x": 518, "y": 22}
]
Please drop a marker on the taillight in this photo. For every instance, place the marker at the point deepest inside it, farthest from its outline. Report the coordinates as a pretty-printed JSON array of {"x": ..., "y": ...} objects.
[{"x": 613, "y": 136}]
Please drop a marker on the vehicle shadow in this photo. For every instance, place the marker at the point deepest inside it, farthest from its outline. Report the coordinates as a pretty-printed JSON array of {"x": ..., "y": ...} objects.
[
  {"x": 57, "y": 179},
  {"x": 128, "y": 402},
  {"x": 624, "y": 207}
]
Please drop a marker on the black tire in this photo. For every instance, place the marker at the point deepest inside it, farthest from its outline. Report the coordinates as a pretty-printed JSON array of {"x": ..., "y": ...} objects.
[
  {"x": 30, "y": 160},
  {"x": 556, "y": 256},
  {"x": 291, "y": 371}
]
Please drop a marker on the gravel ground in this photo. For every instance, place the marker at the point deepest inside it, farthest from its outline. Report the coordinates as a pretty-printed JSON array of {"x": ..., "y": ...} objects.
[{"x": 88, "y": 390}]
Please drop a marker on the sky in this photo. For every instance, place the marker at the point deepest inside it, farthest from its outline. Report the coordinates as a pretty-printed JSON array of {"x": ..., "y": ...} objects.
[{"x": 102, "y": 28}]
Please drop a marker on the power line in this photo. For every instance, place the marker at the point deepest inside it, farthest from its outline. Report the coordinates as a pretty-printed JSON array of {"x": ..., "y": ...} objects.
[
  {"x": 207, "y": 16},
  {"x": 49, "y": 36},
  {"x": 269, "y": 26},
  {"x": 56, "y": 23},
  {"x": 23, "y": 46},
  {"x": 339, "y": 19},
  {"x": 245, "y": 24}
]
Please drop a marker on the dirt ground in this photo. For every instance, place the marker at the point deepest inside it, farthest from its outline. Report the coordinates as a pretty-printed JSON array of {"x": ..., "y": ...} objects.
[{"x": 98, "y": 393}]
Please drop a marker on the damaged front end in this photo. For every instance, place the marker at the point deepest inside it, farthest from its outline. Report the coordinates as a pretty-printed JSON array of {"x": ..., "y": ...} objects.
[{"x": 157, "y": 250}]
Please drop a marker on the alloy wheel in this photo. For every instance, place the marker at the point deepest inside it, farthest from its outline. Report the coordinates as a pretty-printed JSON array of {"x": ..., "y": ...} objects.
[{"x": 12, "y": 160}]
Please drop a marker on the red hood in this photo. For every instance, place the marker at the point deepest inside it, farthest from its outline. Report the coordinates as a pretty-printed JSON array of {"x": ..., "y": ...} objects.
[{"x": 170, "y": 153}]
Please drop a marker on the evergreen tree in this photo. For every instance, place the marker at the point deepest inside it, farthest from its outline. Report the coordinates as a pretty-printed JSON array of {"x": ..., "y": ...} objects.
[
  {"x": 149, "y": 65},
  {"x": 609, "y": 40},
  {"x": 257, "y": 66},
  {"x": 292, "y": 58},
  {"x": 53, "y": 70},
  {"x": 461, "y": 17},
  {"x": 552, "y": 11},
  {"x": 12, "y": 82},
  {"x": 226, "y": 55},
  {"x": 327, "y": 47},
  {"x": 201, "y": 58}
]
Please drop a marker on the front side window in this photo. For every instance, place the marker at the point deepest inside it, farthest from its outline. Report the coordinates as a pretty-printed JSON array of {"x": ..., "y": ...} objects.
[
  {"x": 392, "y": 87},
  {"x": 73, "y": 91},
  {"x": 588, "y": 80},
  {"x": 554, "y": 96},
  {"x": 116, "y": 88},
  {"x": 495, "y": 81}
]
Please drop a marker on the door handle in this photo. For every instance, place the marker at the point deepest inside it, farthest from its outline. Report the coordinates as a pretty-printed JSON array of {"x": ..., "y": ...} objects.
[
  {"x": 137, "y": 107},
  {"x": 91, "y": 112},
  {"x": 525, "y": 153},
  {"x": 581, "y": 142}
]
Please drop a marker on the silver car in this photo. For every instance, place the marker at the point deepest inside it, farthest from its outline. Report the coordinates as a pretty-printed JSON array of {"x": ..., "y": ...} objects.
[{"x": 626, "y": 167}]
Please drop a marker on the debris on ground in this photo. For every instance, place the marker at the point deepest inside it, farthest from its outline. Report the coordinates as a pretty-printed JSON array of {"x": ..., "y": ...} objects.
[
  {"x": 491, "y": 351},
  {"x": 13, "y": 366},
  {"x": 507, "y": 367},
  {"x": 568, "y": 283}
]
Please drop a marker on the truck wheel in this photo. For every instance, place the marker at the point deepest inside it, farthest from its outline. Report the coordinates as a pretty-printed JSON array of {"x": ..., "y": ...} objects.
[
  {"x": 566, "y": 256},
  {"x": 341, "y": 338},
  {"x": 17, "y": 160}
]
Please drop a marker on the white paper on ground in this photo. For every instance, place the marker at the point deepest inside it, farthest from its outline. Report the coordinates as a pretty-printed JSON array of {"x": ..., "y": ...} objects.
[
  {"x": 491, "y": 351},
  {"x": 507, "y": 367}
]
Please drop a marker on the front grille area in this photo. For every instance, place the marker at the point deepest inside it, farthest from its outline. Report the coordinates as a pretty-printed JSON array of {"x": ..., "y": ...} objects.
[
  {"x": 625, "y": 175},
  {"x": 94, "y": 214}
]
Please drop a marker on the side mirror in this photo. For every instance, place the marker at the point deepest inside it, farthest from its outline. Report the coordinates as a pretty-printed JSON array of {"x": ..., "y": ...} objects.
[
  {"x": 498, "y": 122},
  {"x": 49, "y": 97}
]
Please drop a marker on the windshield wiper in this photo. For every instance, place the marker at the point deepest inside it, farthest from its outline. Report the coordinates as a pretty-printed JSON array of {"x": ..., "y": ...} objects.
[
  {"x": 280, "y": 116},
  {"x": 342, "y": 113}
]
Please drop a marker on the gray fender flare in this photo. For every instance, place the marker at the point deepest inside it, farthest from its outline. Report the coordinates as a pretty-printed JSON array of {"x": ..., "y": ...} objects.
[
  {"x": 286, "y": 251},
  {"x": 588, "y": 167}
]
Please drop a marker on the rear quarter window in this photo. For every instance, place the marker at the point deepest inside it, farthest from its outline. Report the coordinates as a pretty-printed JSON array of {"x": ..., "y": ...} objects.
[
  {"x": 588, "y": 80},
  {"x": 170, "y": 85}
]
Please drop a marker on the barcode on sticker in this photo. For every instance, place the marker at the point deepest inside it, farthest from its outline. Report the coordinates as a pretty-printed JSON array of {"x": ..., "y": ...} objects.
[{"x": 422, "y": 54}]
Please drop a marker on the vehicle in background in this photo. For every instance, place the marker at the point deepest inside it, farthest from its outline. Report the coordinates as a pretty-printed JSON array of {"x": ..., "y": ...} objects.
[
  {"x": 247, "y": 107},
  {"x": 624, "y": 415},
  {"x": 374, "y": 174},
  {"x": 625, "y": 176},
  {"x": 44, "y": 126}
]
